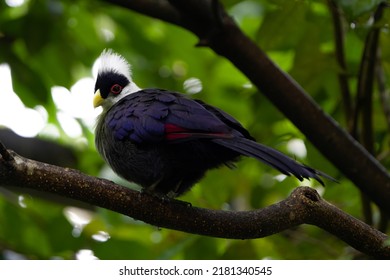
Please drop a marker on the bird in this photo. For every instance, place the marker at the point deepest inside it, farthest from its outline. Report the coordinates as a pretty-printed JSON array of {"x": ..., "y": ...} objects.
[{"x": 165, "y": 141}]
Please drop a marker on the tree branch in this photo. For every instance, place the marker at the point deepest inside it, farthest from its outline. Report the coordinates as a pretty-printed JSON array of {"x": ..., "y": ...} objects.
[
  {"x": 338, "y": 27},
  {"x": 366, "y": 81},
  {"x": 364, "y": 98},
  {"x": 384, "y": 93},
  {"x": 304, "y": 205},
  {"x": 218, "y": 31},
  {"x": 161, "y": 9}
]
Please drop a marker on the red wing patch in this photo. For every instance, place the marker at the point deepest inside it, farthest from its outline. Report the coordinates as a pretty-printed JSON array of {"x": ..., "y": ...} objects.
[{"x": 174, "y": 132}]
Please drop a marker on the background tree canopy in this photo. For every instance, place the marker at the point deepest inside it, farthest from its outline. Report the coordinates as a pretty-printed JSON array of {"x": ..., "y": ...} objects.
[{"x": 50, "y": 48}]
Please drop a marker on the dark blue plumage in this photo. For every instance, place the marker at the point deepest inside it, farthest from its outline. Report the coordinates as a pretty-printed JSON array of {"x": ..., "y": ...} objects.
[
  {"x": 163, "y": 116},
  {"x": 166, "y": 142},
  {"x": 179, "y": 140}
]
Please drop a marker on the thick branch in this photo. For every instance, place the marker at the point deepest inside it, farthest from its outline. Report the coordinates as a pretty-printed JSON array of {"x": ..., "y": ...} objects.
[
  {"x": 220, "y": 33},
  {"x": 303, "y": 206}
]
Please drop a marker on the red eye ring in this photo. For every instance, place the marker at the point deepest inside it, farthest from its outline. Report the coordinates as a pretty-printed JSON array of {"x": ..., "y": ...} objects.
[{"x": 116, "y": 89}]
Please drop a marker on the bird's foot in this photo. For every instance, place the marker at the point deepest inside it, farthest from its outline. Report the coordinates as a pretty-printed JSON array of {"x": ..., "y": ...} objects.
[{"x": 165, "y": 198}]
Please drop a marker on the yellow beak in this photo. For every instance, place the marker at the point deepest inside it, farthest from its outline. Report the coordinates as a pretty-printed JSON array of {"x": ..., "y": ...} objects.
[{"x": 97, "y": 99}]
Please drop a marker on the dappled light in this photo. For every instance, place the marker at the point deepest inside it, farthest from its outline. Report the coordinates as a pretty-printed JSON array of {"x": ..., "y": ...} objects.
[
  {"x": 192, "y": 85},
  {"x": 78, "y": 218},
  {"x": 25, "y": 121}
]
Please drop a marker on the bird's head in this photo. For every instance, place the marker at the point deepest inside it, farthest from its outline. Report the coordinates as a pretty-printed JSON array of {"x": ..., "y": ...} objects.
[{"x": 113, "y": 81}]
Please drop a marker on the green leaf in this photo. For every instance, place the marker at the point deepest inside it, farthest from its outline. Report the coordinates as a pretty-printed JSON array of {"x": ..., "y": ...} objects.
[{"x": 28, "y": 84}]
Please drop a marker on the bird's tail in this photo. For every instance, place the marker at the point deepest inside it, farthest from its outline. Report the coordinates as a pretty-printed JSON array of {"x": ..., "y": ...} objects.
[{"x": 272, "y": 157}]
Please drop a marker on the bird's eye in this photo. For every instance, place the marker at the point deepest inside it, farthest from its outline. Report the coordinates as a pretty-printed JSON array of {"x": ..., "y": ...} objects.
[{"x": 116, "y": 89}]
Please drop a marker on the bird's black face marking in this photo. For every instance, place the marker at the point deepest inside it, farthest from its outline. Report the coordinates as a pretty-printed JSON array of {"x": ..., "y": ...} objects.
[{"x": 110, "y": 82}]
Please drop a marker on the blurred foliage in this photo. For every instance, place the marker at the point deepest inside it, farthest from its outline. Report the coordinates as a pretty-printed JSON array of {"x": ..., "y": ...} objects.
[{"x": 55, "y": 43}]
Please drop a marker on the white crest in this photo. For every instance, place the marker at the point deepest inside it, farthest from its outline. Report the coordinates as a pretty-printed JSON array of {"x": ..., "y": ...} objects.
[{"x": 112, "y": 61}]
